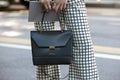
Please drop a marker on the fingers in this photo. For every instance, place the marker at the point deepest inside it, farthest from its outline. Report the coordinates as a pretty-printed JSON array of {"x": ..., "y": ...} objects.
[
  {"x": 64, "y": 6},
  {"x": 46, "y": 4},
  {"x": 56, "y": 7},
  {"x": 59, "y": 4}
]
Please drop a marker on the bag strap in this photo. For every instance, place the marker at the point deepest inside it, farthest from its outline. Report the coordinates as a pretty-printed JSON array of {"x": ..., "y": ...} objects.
[{"x": 62, "y": 28}]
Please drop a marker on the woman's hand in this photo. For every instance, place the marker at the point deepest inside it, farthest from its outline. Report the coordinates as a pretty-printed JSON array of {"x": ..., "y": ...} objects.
[
  {"x": 46, "y": 4},
  {"x": 59, "y": 4}
]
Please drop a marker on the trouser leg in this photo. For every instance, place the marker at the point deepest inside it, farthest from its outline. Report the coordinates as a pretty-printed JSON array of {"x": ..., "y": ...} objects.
[{"x": 84, "y": 64}]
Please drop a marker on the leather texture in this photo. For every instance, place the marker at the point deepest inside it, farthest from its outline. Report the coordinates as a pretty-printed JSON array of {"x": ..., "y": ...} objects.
[{"x": 51, "y": 47}]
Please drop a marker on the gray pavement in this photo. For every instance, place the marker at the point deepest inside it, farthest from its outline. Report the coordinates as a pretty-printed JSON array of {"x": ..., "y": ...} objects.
[
  {"x": 16, "y": 64},
  {"x": 103, "y": 3},
  {"x": 112, "y": 12}
]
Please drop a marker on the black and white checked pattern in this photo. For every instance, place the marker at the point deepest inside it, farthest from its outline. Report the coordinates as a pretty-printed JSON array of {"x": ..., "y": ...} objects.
[
  {"x": 69, "y": 1},
  {"x": 84, "y": 65}
]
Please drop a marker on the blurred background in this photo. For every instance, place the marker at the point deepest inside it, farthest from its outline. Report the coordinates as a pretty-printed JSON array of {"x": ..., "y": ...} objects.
[
  {"x": 8, "y": 3},
  {"x": 15, "y": 50}
]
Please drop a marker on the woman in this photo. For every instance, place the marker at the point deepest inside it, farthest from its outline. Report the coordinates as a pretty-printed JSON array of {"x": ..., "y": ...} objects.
[{"x": 73, "y": 15}]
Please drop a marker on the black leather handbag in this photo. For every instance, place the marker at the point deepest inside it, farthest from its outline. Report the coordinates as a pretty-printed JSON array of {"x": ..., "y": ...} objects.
[{"x": 51, "y": 47}]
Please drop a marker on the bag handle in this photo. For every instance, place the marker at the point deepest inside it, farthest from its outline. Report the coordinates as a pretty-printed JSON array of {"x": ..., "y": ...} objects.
[{"x": 62, "y": 28}]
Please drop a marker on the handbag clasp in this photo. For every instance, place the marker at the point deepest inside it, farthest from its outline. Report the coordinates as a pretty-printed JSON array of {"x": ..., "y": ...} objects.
[{"x": 51, "y": 47}]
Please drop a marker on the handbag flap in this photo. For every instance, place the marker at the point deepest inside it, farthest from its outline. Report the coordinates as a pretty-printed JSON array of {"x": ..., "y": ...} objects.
[{"x": 51, "y": 38}]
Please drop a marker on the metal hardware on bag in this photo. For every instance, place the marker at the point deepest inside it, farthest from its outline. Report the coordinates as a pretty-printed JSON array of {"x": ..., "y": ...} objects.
[
  {"x": 40, "y": 29},
  {"x": 52, "y": 54},
  {"x": 51, "y": 47},
  {"x": 62, "y": 27}
]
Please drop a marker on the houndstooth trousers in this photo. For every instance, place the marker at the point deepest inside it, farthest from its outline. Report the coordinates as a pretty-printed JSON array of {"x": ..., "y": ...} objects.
[{"x": 84, "y": 65}]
